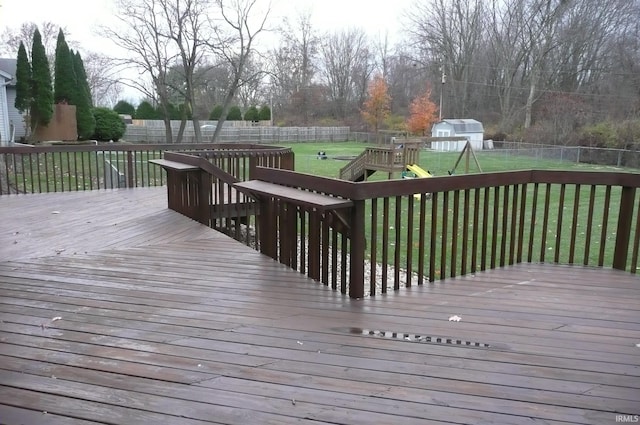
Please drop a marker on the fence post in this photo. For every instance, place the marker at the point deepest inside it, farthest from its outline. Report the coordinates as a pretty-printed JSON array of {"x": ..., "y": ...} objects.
[
  {"x": 358, "y": 243},
  {"x": 623, "y": 233},
  {"x": 130, "y": 169}
]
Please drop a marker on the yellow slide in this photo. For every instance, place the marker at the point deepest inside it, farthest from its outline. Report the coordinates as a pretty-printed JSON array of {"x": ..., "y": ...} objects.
[{"x": 418, "y": 171}]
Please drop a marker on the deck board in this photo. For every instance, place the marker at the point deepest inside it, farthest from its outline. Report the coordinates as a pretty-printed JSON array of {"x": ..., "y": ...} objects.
[{"x": 166, "y": 321}]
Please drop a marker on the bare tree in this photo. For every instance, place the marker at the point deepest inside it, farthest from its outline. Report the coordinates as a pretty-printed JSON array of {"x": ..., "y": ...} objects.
[
  {"x": 103, "y": 79},
  {"x": 347, "y": 66},
  {"x": 294, "y": 66},
  {"x": 143, "y": 34},
  {"x": 11, "y": 38},
  {"x": 186, "y": 26},
  {"x": 450, "y": 32},
  {"x": 234, "y": 41},
  {"x": 542, "y": 25}
]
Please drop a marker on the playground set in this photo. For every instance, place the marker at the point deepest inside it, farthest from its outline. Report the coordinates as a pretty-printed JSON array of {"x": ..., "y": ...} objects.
[{"x": 403, "y": 157}]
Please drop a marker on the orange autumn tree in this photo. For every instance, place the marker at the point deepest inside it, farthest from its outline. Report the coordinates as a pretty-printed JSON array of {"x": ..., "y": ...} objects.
[
  {"x": 422, "y": 113},
  {"x": 377, "y": 106}
]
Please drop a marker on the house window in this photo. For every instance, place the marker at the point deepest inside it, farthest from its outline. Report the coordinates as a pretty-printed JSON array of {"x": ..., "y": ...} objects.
[{"x": 443, "y": 133}]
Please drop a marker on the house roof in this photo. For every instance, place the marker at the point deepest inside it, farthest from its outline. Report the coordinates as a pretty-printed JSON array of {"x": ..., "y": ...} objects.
[
  {"x": 465, "y": 125},
  {"x": 8, "y": 68}
]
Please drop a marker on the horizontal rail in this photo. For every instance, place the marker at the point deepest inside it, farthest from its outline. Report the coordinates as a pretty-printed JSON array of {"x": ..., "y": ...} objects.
[
  {"x": 406, "y": 232},
  {"x": 58, "y": 168}
]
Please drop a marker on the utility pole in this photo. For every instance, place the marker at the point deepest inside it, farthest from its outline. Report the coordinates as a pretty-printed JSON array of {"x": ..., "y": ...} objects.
[{"x": 444, "y": 80}]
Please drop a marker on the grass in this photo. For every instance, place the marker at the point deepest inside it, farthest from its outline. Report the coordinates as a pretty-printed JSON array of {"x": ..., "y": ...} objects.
[{"x": 600, "y": 227}]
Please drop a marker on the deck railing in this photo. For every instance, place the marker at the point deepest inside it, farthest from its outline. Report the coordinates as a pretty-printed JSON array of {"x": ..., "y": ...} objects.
[
  {"x": 396, "y": 236},
  {"x": 61, "y": 168}
]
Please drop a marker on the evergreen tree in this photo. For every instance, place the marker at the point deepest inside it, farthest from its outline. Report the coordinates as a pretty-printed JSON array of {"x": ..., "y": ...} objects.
[
  {"x": 41, "y": 90},
  {"x": 264, "y": 114},
  {"x": 23, "y": 80},
  {"x": 251, "y": 114},
  {"x": 146, "y": 111},
  {"x": 235, "y": 114},
  {"x": 125, "y": 108},
  {"x": 84, "y": 116},
  {"x": 65, "y": 85},
  {"x": 216, "y": 112}
]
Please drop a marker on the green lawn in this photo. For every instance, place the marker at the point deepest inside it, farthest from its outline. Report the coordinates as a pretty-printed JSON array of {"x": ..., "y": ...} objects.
[{"x": 439, "y": 163}]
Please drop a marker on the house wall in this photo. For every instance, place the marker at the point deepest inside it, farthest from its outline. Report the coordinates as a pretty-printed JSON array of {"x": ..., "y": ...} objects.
[
  {"x": 4, "y": 117},
  {"x": 15, "y": 117}
]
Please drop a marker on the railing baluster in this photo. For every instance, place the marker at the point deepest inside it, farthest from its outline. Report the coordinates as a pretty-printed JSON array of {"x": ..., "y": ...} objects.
[
  {"x": 454, "y": 234},
  {"x": 589, "y": 229},
  {"x": 504, "y": 226},
  {"x": 494, "y": 226},
  {"x": 385, "y": 243},
  {"x": 397, "y": 243},
  {"x": 558, "y": 240},
  {"x": 465, "y": 232},
  {"x": 605, "y": 221},
  {"x": 373, "y": 243},
  {"x": 422, "y": 239},
  {"x": 574, "y": 223},
  {"x": 445, "y": 235},
  {"x": 545, "y": 221}
]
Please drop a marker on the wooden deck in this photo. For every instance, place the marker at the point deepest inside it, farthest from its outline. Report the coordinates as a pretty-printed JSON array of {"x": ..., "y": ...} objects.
[{"x": 164, "y": 321}]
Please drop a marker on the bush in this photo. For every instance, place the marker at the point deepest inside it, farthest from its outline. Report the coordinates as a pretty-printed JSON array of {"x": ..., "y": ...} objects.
[
  {"x": 251, "y": 114},
  {"x": 235, "y": 114},
  {"x": 601, "y": 135},
  {"x": 216, "y": 112},
  {"x": 264, "y": 114},
  {"x": 109, "y": 125}
]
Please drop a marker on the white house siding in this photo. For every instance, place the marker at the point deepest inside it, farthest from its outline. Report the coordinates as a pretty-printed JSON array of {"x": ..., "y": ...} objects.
[
  {"x": 4, "y": 116},
  {"x": 15, "y": 117}
]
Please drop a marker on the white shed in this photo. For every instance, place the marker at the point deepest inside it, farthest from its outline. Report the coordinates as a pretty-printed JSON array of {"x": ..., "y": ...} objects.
[{"x": 471, "y": 130}]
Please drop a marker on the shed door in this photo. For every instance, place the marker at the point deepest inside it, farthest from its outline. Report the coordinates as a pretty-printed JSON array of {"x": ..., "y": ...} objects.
[{"x": 443, "y": 133}]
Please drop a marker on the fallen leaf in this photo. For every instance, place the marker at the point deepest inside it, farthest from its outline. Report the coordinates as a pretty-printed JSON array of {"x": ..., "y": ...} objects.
[
  {"x": 55, "y": 212},
  {"x": 455, "y": 318},
  {"x": 300, "y": 342},
  {"x": 55, "y": 319}
]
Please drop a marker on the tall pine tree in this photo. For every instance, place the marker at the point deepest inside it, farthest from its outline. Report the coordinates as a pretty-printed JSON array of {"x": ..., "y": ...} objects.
[
  {"x": 23, "y": 80},
  {"x": 65, "y": 85},
  {"x": 41, "y": 90},
  {"x": 84, "y": 115}
]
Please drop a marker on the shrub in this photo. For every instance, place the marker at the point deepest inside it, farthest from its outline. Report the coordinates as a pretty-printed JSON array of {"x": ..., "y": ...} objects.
[
  {"x": 251, "y": 114},
  {"x": 264, "y": 114},
  {"x": 216, "y": 112},
  {"x": 235, "y": 114},
  {"x": 125, "y": 108},
  {"x": 601, "y": 135},
  {"x": 109, "y": 125}
]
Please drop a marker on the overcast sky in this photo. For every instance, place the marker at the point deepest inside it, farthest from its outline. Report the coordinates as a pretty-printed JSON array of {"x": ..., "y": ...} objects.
[{"x": 82, "y": 17}]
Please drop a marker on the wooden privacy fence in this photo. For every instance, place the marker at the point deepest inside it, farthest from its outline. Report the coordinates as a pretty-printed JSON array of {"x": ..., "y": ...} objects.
[
  {"x": 60, "y": 168},
  {"x": 371, "y": 237}
]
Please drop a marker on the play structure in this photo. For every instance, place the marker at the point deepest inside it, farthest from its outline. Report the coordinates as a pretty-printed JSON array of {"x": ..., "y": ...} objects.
[
  {"x": 419, "y": 172},
  {"x": 468, "y": 153},
  {"x": 390, "y": 159}
]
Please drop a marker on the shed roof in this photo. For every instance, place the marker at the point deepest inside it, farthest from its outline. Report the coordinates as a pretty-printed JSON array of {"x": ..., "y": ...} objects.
[{"x": 465, "y": 125}]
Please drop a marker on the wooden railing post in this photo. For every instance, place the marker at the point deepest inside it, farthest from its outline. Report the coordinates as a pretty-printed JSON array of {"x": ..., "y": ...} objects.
[
  {"x": 623, "y": 233},
  {"x": 130, "y": 169},
  {"x": 356, "y": 266},
  {"x": 204, "y": 197}
]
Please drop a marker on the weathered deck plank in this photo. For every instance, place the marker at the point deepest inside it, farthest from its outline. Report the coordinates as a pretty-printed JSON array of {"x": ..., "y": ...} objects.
[{"x": 166, "y": 321}]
